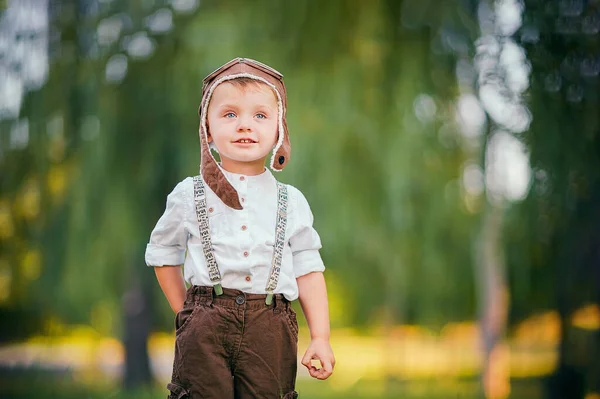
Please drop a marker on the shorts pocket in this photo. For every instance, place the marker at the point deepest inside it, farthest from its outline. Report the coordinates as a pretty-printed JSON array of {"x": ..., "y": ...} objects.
[
  {"x": 292, "y": 322},
  {"x": 183, "y": 318},
  {"x": 177, "y": 391},
  {"x": 290, "y": 395}
]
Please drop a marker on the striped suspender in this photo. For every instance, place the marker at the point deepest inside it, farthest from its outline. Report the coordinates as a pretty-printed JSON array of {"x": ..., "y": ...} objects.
[
  {"x": 282, "y": 201},
  {"x": 211, "y": 262}
]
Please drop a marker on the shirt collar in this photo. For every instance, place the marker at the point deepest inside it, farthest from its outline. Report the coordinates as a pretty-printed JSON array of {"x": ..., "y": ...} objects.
[{"x": 238, "y": 179}]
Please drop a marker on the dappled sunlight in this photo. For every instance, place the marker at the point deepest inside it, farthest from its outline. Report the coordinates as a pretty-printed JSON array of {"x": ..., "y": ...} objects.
[
  {"x": 539, "y": 329},
  {"x": 448, "y": 150},
  {"x": 407, "y": 352},
  {"x": 28, "y": 203},
  {"x": 587, "y": 318}
]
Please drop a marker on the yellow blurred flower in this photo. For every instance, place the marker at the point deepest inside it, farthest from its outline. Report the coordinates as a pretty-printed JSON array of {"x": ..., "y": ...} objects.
[
  {"x": 5, "y": 280},
  {"x": 101, "y": 318},
  {"x": 587, "y": 317},
  {"x": 7, "y": 228},
  {"x": 57, "y": 181},
  {"x": 31, "y": 265},
  {"x": 28, "y": 200}
]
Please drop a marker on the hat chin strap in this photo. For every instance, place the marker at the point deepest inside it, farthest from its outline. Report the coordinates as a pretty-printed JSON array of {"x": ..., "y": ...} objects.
[{"x": 214, "y": 177}]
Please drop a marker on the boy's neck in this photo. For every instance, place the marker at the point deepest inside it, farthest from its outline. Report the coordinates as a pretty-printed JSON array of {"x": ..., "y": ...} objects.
[{"x": 243, "y": 168}]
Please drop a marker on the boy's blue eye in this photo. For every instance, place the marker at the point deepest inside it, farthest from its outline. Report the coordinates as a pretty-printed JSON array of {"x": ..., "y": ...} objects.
[
  {"x": 230, "y": 115},
  {"x": 261, "y": 116}
]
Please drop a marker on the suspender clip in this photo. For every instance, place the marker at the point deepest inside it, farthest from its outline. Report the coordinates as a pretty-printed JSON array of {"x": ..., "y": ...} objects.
[
  {"x": 218, "y": 289},
  {"x": 269, "y": 299}
]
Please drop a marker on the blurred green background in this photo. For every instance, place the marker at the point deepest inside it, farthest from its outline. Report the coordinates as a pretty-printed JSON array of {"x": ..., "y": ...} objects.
[{"x": 449, "y": 150}]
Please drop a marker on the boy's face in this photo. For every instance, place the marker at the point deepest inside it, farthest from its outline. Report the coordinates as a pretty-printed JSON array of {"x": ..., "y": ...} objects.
[{"x": 242, "y": 124}]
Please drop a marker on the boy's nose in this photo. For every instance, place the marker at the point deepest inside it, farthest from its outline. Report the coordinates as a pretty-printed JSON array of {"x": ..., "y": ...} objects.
[{"x": 243, "y": 125}]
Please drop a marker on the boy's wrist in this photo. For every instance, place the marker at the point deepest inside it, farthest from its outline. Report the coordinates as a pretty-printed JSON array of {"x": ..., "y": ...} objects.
[{"x": 317, "y": 337}]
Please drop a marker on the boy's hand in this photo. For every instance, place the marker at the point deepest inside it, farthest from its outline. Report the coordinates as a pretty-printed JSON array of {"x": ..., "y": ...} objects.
[{"x": 319, "y": 349}]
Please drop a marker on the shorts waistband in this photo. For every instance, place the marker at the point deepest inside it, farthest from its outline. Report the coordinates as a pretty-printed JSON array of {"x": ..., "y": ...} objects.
[{"x": 234, "y": 298}]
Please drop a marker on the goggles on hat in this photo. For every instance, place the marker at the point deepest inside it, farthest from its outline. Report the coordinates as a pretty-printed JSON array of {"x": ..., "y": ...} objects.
[{"x": 258, "y": 65}]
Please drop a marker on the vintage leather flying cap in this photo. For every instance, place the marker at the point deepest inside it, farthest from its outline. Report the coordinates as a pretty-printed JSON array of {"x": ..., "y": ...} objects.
[{"x": 234, "y": 69}]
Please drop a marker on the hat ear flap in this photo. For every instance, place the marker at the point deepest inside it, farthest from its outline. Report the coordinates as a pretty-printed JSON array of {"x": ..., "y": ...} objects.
[
  {"x": 214, "y": 177},
  {"x": 282, "y": 150}
]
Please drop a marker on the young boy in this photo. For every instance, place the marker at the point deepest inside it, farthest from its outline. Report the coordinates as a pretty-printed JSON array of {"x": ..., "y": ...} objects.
[{"x": 251, "y": 250}]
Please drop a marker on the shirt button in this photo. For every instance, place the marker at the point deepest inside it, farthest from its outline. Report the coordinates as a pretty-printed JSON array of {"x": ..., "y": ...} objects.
[
  {"x": 246, "y": 254},
  {"x": 248, "y": 278},
  {"x": 244, "y": 227},
  {"x": 242, "y": 178},
  {"x": 211, "y": 210},
  {"x": 243, "y": 199}
]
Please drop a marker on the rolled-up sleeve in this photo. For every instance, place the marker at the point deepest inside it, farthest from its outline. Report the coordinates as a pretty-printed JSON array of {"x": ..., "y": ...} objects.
[
  {"x": 168, "y": 240},
  {"x": 305, "y": 241}
]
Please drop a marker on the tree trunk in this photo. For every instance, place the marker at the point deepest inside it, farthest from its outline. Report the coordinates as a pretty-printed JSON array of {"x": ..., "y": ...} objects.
[
  {"x": 138, "y": 319},
  {"x": 493, "y": 299}
]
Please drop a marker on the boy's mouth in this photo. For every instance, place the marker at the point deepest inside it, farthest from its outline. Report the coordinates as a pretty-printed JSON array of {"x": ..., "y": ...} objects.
[{"x": 245, "y": 141}]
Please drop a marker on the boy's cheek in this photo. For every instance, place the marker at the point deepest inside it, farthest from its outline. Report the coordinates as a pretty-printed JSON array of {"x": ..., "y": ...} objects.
[{"x": 208, "y": 135}]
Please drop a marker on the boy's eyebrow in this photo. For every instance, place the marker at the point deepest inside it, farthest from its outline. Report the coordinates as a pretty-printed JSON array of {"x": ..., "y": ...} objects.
[
  {"x": 228, "y": 105},
  {"x": 265, "y": 106}
]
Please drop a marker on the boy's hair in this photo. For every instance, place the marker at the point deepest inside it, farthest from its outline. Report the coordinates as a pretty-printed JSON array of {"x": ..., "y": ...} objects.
[{"x": 244, "y": 83}]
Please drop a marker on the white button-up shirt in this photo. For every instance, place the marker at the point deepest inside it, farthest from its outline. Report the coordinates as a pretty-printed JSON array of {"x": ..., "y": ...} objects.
[{"x": 242, "y": 240}]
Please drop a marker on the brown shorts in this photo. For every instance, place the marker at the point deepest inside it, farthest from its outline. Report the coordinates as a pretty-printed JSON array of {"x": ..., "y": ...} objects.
[{"x": 234, "y": 346}]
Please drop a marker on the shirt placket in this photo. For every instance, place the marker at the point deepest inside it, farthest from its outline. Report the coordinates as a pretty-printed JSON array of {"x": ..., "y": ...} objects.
[{"x": 244, "y": 230}]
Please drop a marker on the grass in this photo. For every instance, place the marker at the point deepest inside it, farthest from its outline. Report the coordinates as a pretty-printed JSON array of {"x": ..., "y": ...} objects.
[{"x": 46, "y": 385}]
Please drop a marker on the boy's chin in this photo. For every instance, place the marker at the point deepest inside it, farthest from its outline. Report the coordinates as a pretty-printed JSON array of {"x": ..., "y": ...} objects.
[{"x": 245, "y": 159}]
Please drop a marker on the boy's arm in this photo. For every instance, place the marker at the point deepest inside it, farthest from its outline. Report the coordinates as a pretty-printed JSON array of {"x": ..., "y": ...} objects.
[
  {"x": 313, "y": 299},
  {"x": 172, "y": 284}
]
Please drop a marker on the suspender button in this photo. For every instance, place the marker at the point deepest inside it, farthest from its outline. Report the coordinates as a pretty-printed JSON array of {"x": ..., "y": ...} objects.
[{"x": 240, "y": 300}]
